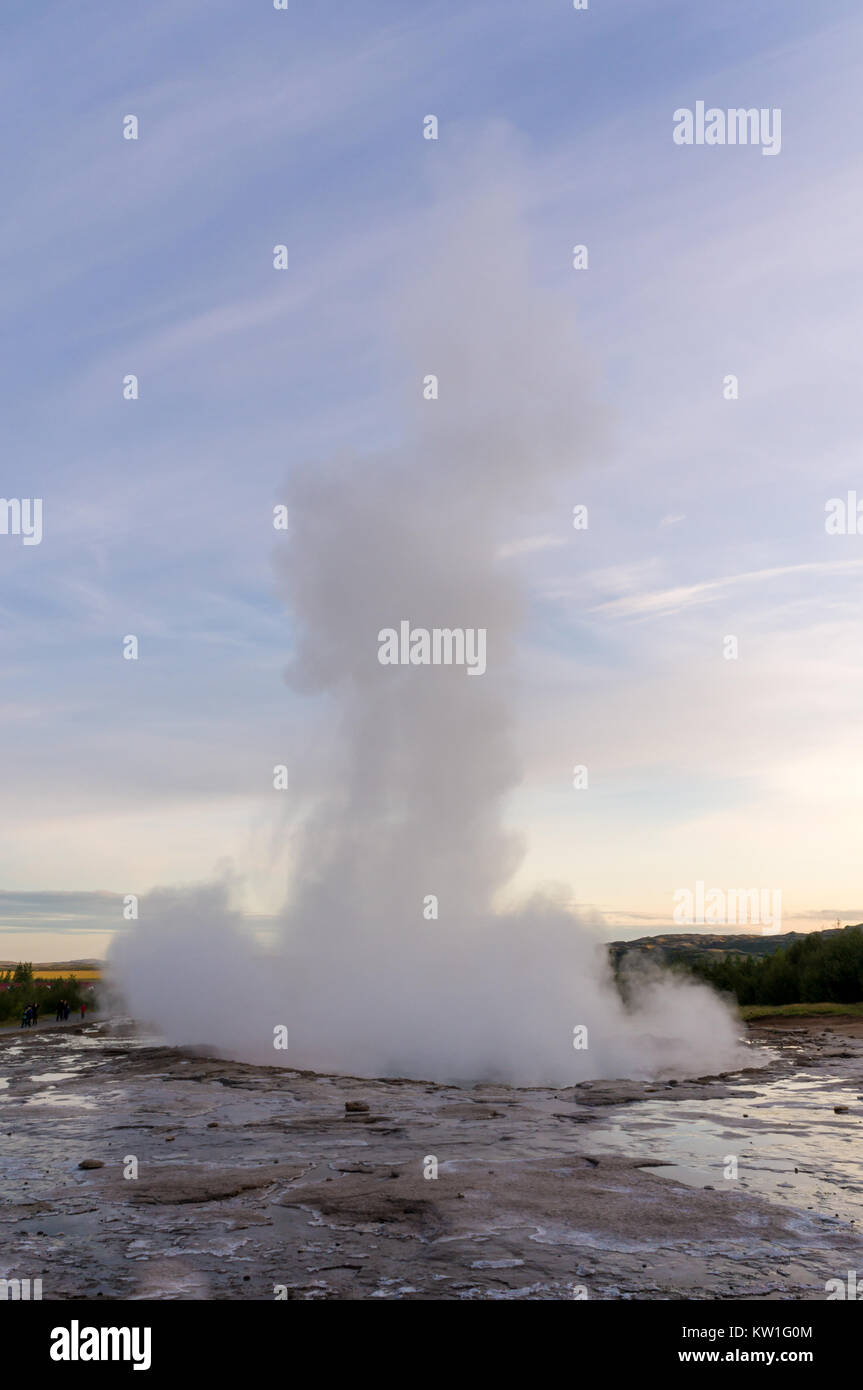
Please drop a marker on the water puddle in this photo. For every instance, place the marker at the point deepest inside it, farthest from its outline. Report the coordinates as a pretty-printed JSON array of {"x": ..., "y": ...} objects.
[
  {"x": 782, "y": 1139},
  {"x": 56, "y": 1099}
]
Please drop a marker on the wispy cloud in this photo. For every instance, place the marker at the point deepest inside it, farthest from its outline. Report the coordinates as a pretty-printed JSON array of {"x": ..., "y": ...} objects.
[
  {"x": 529, "y": 545},
  {"x": 663, "y": 602}
]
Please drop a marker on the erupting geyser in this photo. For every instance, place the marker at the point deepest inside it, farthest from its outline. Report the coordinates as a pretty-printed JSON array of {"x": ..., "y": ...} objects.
[{"x": 419, "y": 759}]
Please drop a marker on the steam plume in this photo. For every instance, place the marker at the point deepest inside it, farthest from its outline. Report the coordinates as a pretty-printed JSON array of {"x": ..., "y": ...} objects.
[{"x": 412, "y": 803}]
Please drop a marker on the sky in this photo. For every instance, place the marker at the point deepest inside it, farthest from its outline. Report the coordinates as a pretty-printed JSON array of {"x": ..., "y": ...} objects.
[{"x": 706, "y": 514}]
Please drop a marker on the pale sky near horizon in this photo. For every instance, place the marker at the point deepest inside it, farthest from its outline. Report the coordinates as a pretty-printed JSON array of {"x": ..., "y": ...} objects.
[{"x": 707, "y": 515}]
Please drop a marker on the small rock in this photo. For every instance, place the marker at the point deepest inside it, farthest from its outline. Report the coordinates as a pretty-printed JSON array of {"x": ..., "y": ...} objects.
[
  {"x": 91, "y": 1163},
  {"x": 353, "y": 1107},
  {"x": 840, "y": 1110},
  {"x": 213, "y": 1124}
]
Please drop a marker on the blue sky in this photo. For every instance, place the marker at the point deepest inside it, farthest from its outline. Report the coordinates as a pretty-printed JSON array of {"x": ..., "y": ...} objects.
[{"x": 706, "y": 515}]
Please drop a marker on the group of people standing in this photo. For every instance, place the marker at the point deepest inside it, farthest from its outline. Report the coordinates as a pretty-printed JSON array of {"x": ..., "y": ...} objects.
[{"x": 30, "y": 1016}]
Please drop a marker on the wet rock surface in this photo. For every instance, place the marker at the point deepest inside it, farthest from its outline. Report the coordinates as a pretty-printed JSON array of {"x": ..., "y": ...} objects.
[{"x": 224, "y": 1180}]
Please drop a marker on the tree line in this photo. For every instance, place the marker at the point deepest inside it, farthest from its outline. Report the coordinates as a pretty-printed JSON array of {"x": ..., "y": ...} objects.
[{"x": 817, "y": 969}]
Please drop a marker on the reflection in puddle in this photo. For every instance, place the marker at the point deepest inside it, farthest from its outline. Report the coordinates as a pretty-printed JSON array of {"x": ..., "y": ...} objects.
[
  {"x": 64, "y": 1224},
  {"x": 788, "y": 1144},
  {"x": 55, "y": 1098}
]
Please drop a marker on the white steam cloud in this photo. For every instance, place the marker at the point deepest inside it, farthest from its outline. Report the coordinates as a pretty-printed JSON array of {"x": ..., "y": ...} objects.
[{"x": 411, "y": 788}]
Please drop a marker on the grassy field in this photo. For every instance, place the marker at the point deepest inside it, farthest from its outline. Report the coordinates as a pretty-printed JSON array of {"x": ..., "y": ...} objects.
[
  {"x": 753, "y": 1011},
  {"x": 64, "y": 974}
]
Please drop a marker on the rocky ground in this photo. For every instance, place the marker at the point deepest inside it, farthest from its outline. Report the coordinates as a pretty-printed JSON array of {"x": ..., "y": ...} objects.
[{"x": 253, "y": 1182}]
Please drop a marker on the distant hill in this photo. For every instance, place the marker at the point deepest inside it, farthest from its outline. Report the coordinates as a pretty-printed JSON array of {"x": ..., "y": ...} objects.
[
  {"x": 69, "y": 965},
  {"x": 706, "y": 945}
]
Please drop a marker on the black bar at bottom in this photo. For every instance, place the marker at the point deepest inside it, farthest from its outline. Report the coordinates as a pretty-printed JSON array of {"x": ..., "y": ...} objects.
[{"x": 159, "y": 1338}]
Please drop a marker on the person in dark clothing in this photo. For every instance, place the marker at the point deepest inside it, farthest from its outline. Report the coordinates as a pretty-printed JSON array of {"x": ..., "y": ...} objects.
[
  {"x": 34, "y": 1012},
  {"x": 25, "y": 1018}
]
